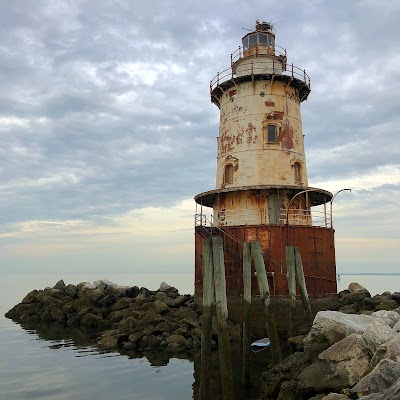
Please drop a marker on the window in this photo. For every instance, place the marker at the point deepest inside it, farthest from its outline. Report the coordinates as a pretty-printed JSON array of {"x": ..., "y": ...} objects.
[
  {"x": 271, "y": 130},
  {"x": 245, "y": 42},
  {"x": 228, "y": 176},
  {"x": 252, "y": 40},
  {"x": 297, "y": 172}
]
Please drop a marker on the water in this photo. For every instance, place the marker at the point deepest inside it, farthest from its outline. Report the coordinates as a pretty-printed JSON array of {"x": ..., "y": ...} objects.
[{"x": 65, "y": 364}]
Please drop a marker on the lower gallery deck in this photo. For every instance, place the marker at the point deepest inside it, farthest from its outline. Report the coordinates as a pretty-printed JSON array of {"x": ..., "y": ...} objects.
[{"x": 316, "y": 247}]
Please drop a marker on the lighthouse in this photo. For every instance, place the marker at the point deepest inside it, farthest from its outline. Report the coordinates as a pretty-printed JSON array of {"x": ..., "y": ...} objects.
[{"x": 262, "y": 190}]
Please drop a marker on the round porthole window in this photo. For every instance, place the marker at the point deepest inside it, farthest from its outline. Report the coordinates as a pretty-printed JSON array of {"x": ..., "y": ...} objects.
[{"x": 262, "y": 94}]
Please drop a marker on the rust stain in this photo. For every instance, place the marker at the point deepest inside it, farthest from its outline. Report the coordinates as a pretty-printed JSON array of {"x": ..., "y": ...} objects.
[
  {"x": 275, "y": 115},
  {"x": 270, "y": 104},
  {"x": 286, "y": 135},
  {"x": 232, "y": 92},
  {"x": 251, "y": 136}
]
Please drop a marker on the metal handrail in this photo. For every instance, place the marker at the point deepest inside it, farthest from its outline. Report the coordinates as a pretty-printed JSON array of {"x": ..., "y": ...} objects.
[
  {"x": 204, "y": 221},
  {"x": 259, "y": 51},
  {"x": 316, "y": 217},
  {"x": 274, "y": 66}
]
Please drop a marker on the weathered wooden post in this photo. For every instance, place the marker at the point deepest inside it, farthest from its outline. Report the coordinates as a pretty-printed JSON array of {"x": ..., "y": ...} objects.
[
  {"x": 206, "y": 333},
  {"x": 266, "y": 300},
  {"x": 246, "y": 312},
  {"x": 303, "y": 288},
  {"x": 291, "y": 277},
  {"x": 222, "y": 318}
]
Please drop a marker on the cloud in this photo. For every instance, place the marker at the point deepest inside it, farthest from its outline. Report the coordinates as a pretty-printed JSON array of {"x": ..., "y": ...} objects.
[{"x": 105, "y": 112}]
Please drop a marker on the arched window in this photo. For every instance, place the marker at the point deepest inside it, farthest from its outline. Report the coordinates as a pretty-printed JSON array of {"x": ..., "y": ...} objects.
[
  {"x": 228, "y": 175},
  {"x": 271, "y": 131},
  {"x": 297, "y": 171}
]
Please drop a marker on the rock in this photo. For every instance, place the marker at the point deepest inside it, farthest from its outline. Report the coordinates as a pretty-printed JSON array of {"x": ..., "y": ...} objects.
[
  {"x": 58, "y": 315},
  {"x": 343, "y": 293},
  {"x": 288, "y": 391},
  {"x": 392, "y": 317},
  {"x": 373, "y": 396},
  {"x": 31, "y": 297},
  {"x": 95, "y": 294},
  {"x": 127, "y": 325},
  {"x": 348, "y": 309},
  {"x": 393, "y": 393},
  {"x": 109, "y": 342},
  {"x": 390, "y": 349},
  {"x": 354, "y": 297},
  {"x": 121, "y": 303},
  {"x": 135, "y": 336},
  {"x": 286, "y": 370},
  {"x": 106, "y": 301},
  {"x": 384, "y": 375},
  {"x": 86, "y": 285},
  {"x": 161, "y": 296},
  {"x": 92, "y": 321},
  {"x": 74, "y": 320},
  {"x": 176, "y": 302},
  {"x": 296, "y": 342},
  {"x": 71, "y": 290},
  {"x": 387, "y": 304},
  {"x": 396, "y": 328},
  {"x": 335, "y": 396},
  {"x": 176, "y": 340},
  {"x": 377, "y": 333},
  {"x": 132, "y": 292},
  {"x": 396, "y": 297},
  {"x": 331, "y": 326},
  {"x": 60, "y": 285},
  {"x": 356, "y": 287},
  {"x": 164, "y": 287},
  {"x": 165, "y": 326},
  {"x": 169, "y": 290},
  {"x": 160, "y": 307},
  {"x": 340, "y": 366}
]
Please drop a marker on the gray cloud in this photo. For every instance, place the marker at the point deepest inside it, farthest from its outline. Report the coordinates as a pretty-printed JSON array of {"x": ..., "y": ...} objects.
[{"x": 105, "y": 107}]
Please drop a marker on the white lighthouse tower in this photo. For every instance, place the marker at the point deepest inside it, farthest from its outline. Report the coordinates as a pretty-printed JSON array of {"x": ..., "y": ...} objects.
[{"x": 262, "y": 188}]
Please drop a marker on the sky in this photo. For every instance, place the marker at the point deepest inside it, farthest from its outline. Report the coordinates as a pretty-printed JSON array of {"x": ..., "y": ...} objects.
[{"x": 107, "y": 130}]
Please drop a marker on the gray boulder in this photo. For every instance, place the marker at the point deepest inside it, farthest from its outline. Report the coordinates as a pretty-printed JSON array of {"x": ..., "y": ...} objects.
[
  {"x": 286, "y": 370},
  {"x": 340, "y": 366},
  {"x": 331, "y": 326},
  {"x": 391, "y": 317},
  {"x": 384, "y": 375},
  {"x": 376, "y": 334}
]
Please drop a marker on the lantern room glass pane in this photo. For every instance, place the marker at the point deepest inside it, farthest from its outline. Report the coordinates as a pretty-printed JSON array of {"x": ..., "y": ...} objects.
[
  {"x": 252, "y": 40},
  {"x": 263, "y": 39},
  {"x": 245, "y": 42}
]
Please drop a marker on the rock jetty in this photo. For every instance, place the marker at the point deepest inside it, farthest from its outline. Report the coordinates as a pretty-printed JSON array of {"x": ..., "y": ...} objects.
[
  {"x": 126, "y": 317},
  {"x": 353, "y": 353}
]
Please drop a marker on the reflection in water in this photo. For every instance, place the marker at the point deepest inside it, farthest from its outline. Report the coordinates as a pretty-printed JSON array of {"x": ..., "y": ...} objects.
[{"x": 82, "y": 343}]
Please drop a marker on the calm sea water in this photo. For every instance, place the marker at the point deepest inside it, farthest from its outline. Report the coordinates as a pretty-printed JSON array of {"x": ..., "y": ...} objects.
[
  {"x": 61, "y": 364},
  {"x": 64, "y": 365}
]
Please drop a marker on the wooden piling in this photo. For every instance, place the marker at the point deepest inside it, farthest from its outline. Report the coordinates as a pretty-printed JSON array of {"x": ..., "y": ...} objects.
[
  {"x": 266, "y": 300},
  {"x": 303, "y": 288},
  {"x": 208, "y": 297},
  {"x": 291, "y": 278},
  {"x": 221, "y": 308},
  {"x": 246, "y": 312}
]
